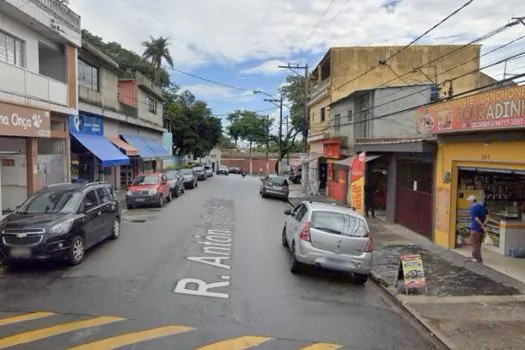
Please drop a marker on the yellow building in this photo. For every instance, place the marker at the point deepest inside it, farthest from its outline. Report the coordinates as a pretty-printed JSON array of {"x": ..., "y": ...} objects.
[
  {"x": 481, "y": 151},
  {"x": 339, "y": 73}
]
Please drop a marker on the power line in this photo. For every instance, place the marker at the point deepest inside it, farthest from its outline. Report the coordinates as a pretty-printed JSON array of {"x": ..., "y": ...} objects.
[
  {"x": 408, "y": 45},
  {"x": 499, "y": 82},
  {"x": 209, "y": 80},
  {"x": 260, "y": 111},
  {"x": 334, "y": 17},
  {"x": 315, "y": 27}
]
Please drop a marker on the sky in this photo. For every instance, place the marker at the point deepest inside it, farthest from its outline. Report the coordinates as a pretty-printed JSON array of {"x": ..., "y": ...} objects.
[{"x": 241, "y": 43}]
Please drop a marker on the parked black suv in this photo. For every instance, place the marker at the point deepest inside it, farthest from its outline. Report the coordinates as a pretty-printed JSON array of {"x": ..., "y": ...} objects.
[{"x": 60, "y": 222}]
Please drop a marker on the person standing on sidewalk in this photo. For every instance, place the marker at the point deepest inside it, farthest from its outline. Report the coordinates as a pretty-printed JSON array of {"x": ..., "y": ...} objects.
[
  {"x": 370, "y": 191},
  {"x": 478, "y": 220}
]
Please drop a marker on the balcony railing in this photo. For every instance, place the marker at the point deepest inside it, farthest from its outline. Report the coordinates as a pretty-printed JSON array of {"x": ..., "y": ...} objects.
[
  {"x": 319, "y": 88},
  {"x": 61, "y": 11},
  {"x": 32, "y": 85}
]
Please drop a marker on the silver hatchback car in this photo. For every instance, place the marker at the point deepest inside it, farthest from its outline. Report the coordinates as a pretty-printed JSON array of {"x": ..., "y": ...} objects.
[{"x": 330, "y": 237}]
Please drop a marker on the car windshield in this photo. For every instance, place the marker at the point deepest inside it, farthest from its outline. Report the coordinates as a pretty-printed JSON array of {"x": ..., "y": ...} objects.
[
  {"x": 51, "y": 202},
  {"x": 186, "y": 172},
  {"x": 171, "y": 175},
  {"x": 198, "y": 168},
  {"x": 146, "y": 180},
  {"x": 339, "y": 223}
]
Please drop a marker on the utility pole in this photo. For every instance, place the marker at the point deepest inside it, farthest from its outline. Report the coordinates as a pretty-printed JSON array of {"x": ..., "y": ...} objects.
[{"x": 279, "y": 102}]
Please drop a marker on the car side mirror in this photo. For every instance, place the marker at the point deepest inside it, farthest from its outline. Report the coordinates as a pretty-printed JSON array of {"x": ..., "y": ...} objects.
[
  {"x": 288, "y": 212},
  {"x": 17, "y": 207}
]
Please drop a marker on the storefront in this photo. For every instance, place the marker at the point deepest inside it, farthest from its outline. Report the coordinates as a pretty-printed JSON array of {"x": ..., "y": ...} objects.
[
  {"x": 93, "y": 156},
  {"x": 20, "y": 129},
  {"x": 481, "y": 152}
]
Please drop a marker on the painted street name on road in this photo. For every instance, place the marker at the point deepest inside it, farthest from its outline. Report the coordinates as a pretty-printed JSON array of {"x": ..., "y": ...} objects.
[{"x": 216, "y": 246}]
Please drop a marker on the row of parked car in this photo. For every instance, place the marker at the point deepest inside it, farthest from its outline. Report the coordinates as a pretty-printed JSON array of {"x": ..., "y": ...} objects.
[
  {"x": 62, "y": 221},
  {"x": 159, "y": 188}
]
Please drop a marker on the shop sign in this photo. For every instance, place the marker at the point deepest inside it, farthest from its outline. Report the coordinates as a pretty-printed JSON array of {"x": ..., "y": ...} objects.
[
  {"x": 411, "y": 272},
  {"x": 86, "y": 124},
  {"x": 332, "y": 150},
  {"x": 24, "y": 121},
  {"x": 496, "y": 109},
  {"x": 357, "y": 182}
]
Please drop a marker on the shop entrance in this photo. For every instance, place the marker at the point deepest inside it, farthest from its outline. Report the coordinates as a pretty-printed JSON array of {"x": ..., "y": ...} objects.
[{"x": 503, "y": 194}]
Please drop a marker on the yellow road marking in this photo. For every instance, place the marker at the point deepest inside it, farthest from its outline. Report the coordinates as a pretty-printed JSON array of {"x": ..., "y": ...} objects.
[
  {"x": 133, "y": 338},
  {"x": 240, "y": 343},
  {"x": 31, "y": 336},
  {"x": 322, "y": 346},
  {"x": 24, "y": 317}
]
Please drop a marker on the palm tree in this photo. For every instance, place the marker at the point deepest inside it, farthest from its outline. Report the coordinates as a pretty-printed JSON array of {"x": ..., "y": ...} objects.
[{"x": 156, "y": 50}]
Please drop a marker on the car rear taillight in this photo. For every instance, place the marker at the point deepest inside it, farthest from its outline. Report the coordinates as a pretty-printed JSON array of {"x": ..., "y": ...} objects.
[
  {"x": 305, "y": 233},
  {"x": 369, "y": 248},
  {"x": 267, "y": 183}
]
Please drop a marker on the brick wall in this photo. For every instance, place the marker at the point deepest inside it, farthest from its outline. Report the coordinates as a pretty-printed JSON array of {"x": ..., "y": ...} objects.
[{"x": 257, "y": 163}]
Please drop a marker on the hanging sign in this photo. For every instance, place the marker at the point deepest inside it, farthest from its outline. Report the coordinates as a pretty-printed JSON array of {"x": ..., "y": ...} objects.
[
  {"x": 357, "y": 183},
  {"x": 411, "y": 272}
]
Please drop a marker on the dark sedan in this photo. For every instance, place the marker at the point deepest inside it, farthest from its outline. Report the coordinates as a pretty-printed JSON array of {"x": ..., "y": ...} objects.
[
  {"x": 190, "y": 179},
  {"x": 223, "y": 170},
  {"x": 274, "y": 186},
  {"x": 235, "y": 170},
  {"x": 176, "y": 181}
]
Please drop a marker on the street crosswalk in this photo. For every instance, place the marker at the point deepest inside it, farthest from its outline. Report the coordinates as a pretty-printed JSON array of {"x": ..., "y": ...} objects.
[{"x": 48, "y": 330}]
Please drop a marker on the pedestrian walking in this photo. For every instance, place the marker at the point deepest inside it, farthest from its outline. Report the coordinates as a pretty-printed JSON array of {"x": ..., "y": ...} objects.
[
  {"x": 478, "y": 221},
  {"x": 370, "y": 191}
]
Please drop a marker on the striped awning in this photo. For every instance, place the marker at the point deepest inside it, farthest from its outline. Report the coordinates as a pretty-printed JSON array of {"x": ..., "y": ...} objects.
[{"x": 128, "y": 149}]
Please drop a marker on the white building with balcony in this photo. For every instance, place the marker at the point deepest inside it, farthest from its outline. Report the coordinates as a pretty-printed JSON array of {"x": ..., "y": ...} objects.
[{"x": 38, "y": 90}]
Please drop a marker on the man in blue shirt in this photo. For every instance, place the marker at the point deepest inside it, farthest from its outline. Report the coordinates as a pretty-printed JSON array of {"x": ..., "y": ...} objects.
[{"x": 478, "y": 220}]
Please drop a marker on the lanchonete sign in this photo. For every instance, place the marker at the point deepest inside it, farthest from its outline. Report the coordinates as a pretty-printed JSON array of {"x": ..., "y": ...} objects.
[
  {"x": 496, "y": 109},
  {"x": 24, "y": 121}
]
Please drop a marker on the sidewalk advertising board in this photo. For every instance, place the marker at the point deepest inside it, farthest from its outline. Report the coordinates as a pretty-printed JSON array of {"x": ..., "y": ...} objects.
[
  {"x": 357, "y": 183},
  {"x": 411, "y": 272}
]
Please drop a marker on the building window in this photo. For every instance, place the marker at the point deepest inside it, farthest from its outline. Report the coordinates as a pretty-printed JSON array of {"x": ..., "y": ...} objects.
[
  {"x": 87, "y": 76},
  {"x": 337, "y": 122},
  {"x": 11, "y": 50},
  {"x": 350, "y": 115},
  {"x": 323, "y": 114},
  {"x": 152, "y": 105}
]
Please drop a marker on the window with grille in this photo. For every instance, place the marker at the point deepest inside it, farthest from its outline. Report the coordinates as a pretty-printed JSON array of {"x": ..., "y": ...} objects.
[
  {"x": 350, "y": 115},
  {"x": 152, "y": 105},
  {"x": 87, "y": 76},
  {"x": 337, "y": 122},
  {"x": 11, "y": 50},
  {"x": 323, "y": 111}
]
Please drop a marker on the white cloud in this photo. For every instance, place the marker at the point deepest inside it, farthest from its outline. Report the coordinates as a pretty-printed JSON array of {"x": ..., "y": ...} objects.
[
  {"x": 235, "y": 31},
  {"x": 269, "y": 67},
  {"x": 217, "y": 93}
]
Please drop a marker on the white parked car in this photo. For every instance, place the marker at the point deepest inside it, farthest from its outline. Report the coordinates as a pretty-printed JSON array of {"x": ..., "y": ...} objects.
[
  {"x": 209, "y": 171},
  {"x": 329, "y": 237}
]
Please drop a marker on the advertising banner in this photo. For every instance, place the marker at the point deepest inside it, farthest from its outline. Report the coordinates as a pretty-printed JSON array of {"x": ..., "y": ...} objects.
[
  {"x": 86, "y": 124},
  {"x": 412, "y": 272},
  {"x": 495, "y": 109},
  {"x": 24, "y": 121},
  {"x": 357, "y": 185}
]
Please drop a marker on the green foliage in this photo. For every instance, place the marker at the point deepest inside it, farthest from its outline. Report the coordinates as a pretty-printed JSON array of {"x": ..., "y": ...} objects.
[
  {"x": 156, "y": 50},
  {"x": 248, "y": 126},
  {"x": 195, "y": 129},
  {"x": 295, "y": 93},
  {"x": 127, "y": 60},
  {"x": 225, "y": 142}
]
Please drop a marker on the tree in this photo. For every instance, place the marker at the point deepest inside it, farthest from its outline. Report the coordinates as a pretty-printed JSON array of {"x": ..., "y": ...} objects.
[
  {"x": 225, "y": 142},
  {"x": 195, "y": 130},
  {"x": 294, "y": 92},
  {"x": 233, "y": 129},
  {"x": 127, "y": 60},
  {"x": 156, "y": 50}
]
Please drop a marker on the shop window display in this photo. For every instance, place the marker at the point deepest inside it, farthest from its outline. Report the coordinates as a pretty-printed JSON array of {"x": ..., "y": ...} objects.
[{"x": 503, "y": 194}]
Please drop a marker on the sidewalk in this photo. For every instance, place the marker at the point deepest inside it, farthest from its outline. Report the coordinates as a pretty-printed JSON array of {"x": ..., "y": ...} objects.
[
  {"x": 296, "y": 196},
  {"x": 468, "y": 305}
]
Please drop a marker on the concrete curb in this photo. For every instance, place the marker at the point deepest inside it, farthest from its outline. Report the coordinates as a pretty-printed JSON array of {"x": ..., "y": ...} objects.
[{"x": 443, "y": 339}]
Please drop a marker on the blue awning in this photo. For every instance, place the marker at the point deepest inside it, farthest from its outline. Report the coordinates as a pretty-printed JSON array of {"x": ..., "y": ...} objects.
[
  {"x": 158, "y": 148},
  {"x": 139, "y": 143},
  {"x": 103, "y": 149}
]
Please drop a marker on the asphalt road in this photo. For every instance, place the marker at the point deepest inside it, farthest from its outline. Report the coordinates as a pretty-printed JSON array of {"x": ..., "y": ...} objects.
[{"x": 243, "y": 297}]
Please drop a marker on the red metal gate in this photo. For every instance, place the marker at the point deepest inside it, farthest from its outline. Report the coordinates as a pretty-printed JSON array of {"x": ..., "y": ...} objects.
[{"x": 414, "y": 196}]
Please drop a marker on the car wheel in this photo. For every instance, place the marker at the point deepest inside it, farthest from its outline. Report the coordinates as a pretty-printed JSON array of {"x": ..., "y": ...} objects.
[
  {"x": 263, "y": 194},
  {"x": 283, "y": 238},
  {"x": 295, "y": 266},
  {"x": 115, "y": 229},
  {"x": 360, "y": 278},
  {"x": 183, "y": 190},
  {"x": 170, "y": 196},
  {"x": 177, "y": 191},
  {"x": 77, "y": 251},
  {"x": 161, "y": 201},
  {"x": 196, "y": 184}
]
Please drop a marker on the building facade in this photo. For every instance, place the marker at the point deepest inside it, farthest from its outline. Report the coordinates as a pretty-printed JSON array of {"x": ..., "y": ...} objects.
[
  {"x": 340, "y": 73},
  {"x": 114, "y": 136},
  {"x": 39, "y": 41},
  {"x": 480, "y": 152}
]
